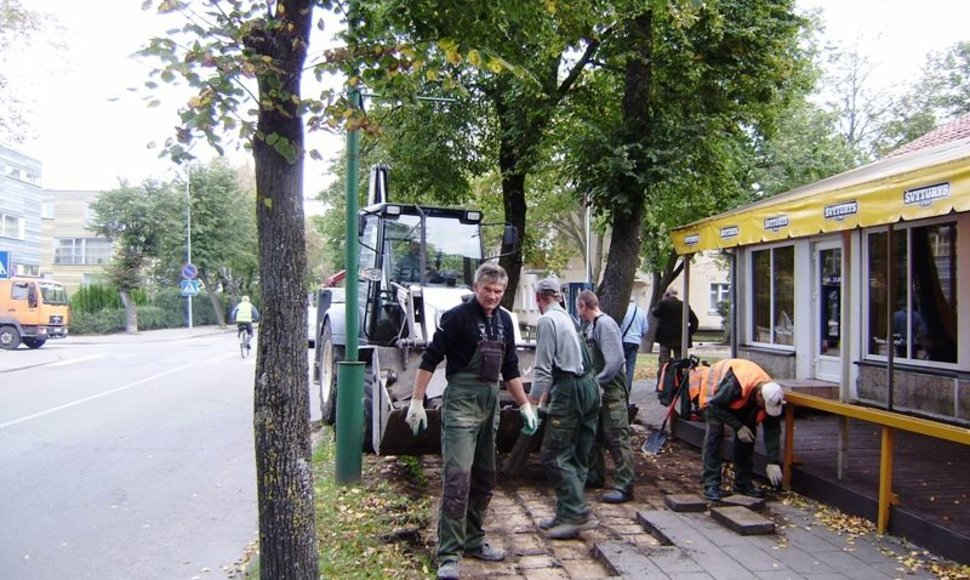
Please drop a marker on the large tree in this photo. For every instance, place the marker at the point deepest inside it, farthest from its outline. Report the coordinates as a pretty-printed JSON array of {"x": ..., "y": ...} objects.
[
  {"x": 223, "y": 232},
  {"x": 692, "y": 84},
  {"x": 137, "y": 219},
  {"x": 246, "y": 62},
  {"x": 509, "y": 64}
]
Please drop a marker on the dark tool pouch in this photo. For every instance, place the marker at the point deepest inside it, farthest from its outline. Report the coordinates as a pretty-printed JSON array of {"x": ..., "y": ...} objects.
[{"x": 492, "y": 352}]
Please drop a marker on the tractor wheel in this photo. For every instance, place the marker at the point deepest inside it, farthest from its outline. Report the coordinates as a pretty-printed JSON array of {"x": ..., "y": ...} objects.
[
  {"x": 369, "y": 379},
  {"x": 330, "y": 355}
]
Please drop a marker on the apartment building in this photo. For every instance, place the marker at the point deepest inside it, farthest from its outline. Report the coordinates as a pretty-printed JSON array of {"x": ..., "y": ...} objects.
[
  {"x": 20, "y": 208},
  {"x": 72, "y": 253}
]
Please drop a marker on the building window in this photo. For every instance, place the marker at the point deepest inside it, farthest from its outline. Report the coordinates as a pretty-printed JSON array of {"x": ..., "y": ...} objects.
[
  {"x": 923, "y": 295},
  {"x": 47, "y": 211},
  {"x": 82, "y": 251},
  {"x": 720, "y": 292},
  {"x": 12, "y": 226},
  {"x": 773, "y": 295}
]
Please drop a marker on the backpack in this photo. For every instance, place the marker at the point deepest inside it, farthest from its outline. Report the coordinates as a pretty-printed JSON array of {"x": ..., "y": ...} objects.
[{"x": 672, "y": 383}]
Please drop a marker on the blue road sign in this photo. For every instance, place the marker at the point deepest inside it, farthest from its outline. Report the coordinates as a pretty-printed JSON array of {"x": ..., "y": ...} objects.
[
  {"x": 189, "y": 271},
  {"x": 5, "y": 264},
  {"x": 191, "y": 287}
]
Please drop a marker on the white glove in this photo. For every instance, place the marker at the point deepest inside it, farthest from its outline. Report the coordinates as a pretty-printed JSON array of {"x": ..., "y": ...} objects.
[
  {"x": 529, "y": 418},
  {"x": 774, "y": 474},
  {"x": 745, "y": 434},
  {"x": 416, "y": 418}
]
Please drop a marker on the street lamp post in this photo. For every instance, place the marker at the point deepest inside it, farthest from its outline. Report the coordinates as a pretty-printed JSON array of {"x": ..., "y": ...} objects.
[{"x": 188, "y": 230}]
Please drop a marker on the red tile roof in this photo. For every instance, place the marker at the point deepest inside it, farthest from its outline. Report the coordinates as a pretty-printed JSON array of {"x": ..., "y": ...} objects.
[{"x": 956, "y": 129}]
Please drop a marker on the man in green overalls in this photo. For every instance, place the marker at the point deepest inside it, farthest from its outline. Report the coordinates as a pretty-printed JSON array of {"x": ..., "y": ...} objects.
[
  {"x": 606, "y": 348},
  {"x": 478, "y": 340},
  {"x": 563, "y": 370}
]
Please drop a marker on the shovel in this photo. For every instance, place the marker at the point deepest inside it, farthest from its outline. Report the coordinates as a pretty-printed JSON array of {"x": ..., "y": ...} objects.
[{"x": 657, "y": 439}]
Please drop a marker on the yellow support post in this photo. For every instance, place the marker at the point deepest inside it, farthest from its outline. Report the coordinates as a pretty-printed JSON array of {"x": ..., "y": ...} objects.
[
  {"x": 789, "y": 459},
  {"x": 885, "y": 479}
]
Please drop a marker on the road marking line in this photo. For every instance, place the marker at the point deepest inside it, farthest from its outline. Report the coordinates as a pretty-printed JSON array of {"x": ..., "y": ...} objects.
[
  {"x": 71, "y": 361},
  {"x": 93, "y": 397}
]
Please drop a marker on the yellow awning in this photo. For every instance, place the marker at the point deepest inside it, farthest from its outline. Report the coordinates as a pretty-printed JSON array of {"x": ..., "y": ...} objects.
[{"x": 921, "y": 184}]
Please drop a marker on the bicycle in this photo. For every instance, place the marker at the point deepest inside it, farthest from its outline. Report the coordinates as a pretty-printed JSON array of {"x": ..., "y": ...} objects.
[{"x": 244, "y": 341}]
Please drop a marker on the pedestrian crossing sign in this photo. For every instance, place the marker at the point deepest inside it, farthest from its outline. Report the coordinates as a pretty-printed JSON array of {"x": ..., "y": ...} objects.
[{"x": 4, "y": 264}]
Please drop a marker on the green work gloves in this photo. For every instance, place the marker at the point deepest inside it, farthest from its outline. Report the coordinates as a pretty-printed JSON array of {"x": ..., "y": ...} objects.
[
  {"x": 529, "y": 419},
  {"x": 774, "y": 474},
  {"x": 416, "y": 418},
  {"x": 745, "y": 434}
]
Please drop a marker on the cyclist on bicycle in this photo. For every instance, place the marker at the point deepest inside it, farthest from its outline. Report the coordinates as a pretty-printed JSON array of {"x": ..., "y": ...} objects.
[{"x": 243, "y": 315}]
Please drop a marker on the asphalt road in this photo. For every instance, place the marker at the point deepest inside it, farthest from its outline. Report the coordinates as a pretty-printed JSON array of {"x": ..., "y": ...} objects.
[{"x": 127, "y": 459}]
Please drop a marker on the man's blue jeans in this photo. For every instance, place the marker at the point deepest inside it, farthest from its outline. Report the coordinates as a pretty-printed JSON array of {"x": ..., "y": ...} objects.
[{"x": 630, "y": 351}]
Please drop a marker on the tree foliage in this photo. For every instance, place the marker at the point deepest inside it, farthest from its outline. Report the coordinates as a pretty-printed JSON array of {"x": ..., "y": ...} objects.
[
  {"x": 941, "y": 94},
  {"x": 17, "y": 27},
  {"x": 137, "y": 220}
]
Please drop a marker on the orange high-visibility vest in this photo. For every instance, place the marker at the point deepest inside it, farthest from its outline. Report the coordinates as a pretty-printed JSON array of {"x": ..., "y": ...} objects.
[{"x": 704, "y": 381}]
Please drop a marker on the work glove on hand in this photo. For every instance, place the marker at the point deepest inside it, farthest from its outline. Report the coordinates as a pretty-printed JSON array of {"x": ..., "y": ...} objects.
[
  {"x": 416, "y": 418},
  {"x": 745, "y": 435},
  {"x": 529, "y": 419},
  {"x": 774, "y": 474}
]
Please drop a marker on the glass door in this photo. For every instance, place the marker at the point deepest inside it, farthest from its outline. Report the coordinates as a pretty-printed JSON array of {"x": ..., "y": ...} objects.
[{"x": 827, "y": 309}]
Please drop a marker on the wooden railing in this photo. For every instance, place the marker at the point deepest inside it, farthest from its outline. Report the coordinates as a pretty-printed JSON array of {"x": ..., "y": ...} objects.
[{"x": 888, "y": 420}]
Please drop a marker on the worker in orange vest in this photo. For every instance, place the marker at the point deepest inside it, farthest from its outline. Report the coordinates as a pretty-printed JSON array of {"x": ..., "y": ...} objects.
[{"x": 738, "y": 393}]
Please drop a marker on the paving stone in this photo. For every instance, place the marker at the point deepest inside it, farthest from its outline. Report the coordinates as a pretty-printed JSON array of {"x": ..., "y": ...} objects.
[
  {"x": 585, "y": 569},
  {"x": 743, "y": 521},
  {"x": 805, "y": 563},
  {"x": 671, "y": 559},
  {"x": 657, "y": 523},
  {"x": 622, "y": 559},
  {"x": 566, "y": 551},
  {"x": 752, "y": 503},
  {"x": 527, "y": 544},
  {"x": 685, "y": 503},
  {"x": 546, "y": 574}
]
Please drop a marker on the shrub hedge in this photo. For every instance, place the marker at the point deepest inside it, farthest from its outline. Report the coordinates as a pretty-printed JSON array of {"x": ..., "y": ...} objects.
[{"x": 97, "y": 310}]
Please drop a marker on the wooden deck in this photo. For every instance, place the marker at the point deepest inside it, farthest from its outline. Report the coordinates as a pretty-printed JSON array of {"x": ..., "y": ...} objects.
[{"x": 930, "y": 477}]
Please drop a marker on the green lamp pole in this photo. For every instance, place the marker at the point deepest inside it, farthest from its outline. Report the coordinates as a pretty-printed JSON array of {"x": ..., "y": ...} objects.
[{"x": 350, "y": 372}]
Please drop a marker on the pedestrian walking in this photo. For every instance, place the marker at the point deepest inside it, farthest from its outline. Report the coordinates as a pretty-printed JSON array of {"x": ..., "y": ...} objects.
[
  {"x": 740, "y": 394},
  {"x": 563, "y": 372},
  {"x": 602, "y": 336},
  {"x": 478, "y": 340},
  {"x": 669, "y": 313},
  {"x": 633, "y": 329}
]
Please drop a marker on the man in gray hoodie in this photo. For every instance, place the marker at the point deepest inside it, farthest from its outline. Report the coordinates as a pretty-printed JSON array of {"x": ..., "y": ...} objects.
[{"x": 606, "y": 349}]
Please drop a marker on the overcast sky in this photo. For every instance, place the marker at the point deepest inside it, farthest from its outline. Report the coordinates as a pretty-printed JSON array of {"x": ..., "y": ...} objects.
[{"x": 91, "y": 130}]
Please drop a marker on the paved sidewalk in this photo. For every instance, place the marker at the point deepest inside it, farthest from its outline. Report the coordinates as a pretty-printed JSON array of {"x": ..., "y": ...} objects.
[{"x": 58, "y": 349}]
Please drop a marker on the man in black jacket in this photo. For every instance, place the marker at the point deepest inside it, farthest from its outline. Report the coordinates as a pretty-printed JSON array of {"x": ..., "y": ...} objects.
[{"x": 669, "y": 314}]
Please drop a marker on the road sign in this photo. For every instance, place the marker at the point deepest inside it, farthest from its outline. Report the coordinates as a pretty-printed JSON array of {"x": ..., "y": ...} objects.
[
  {"x": 191, "y": 287},
  {"x": 5, "y": 264},
  {"x": 189, "y": 271}
]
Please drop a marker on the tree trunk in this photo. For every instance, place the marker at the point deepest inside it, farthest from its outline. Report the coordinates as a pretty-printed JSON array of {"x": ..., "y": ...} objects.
[
  {"x": 624, "y": 258},
  {"x": 131, "y": 312},
  {"x": 287, "y": 537},
  {"x": 513, "y": 195}
]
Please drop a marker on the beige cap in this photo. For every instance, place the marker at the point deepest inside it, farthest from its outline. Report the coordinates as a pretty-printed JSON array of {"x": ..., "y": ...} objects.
[{"x": 549, "y": 285}]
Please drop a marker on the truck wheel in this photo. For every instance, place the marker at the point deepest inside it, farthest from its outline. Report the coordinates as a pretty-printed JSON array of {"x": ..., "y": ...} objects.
[
  {"x": 34, "y": 342},
  {"x": 9, "y": 337},
  {"x": 330, "y": 355}
]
